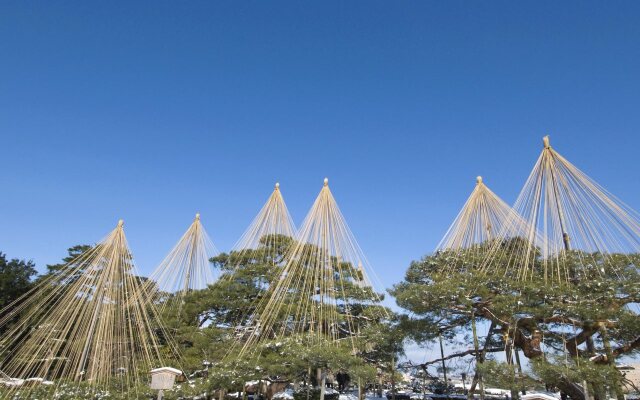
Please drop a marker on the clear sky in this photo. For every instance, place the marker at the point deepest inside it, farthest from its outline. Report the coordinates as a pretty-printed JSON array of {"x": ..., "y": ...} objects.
[{"x": 153, "y": 111}]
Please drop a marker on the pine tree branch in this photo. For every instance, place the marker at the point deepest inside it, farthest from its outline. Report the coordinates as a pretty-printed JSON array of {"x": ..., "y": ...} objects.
[
  {"x": 618, "y": 351},
  {"x": 461, "y": 354}
]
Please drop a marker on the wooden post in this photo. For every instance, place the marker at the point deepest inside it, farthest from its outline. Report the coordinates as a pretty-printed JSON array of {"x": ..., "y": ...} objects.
[
  {"x": 478, "y": 375},
  {"x": 322, "y": 383},
  {"x": 444, "y": 365},
  {"x": 424, "y": 383},
  {"x": 598, "y": 390},
  {"x": 586, "y": 390},
  {"x": 307, "y": 383},
  {"x": 611, "y": 361},
  {"x": 520, "y": 374},
  {"x": 566, "y": 241},
  {"x": 508, "y": 354},
  {"x": 393, "y": 378},
  {"x": 477, "y": 378}
]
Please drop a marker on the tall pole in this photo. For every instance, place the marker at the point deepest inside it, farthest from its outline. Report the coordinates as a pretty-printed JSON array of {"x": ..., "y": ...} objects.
[
  {"x": 322, "y": 384},
  {"x": 393, "y": 378},
  {"x": 508, "y": 349},
  {"x": 554, "y": 184},
  {"x": 424, "y": 383},
  {"x": 444, "y": 366},
  {"x": 192, "y": 255},
  {"x": 565, "y": 235},
  {"x": 520, "y": 374},
  {"x": 479, "y": 357},
  {"x": 612, "y": 362},
  {"x": 308, "y": 386}
]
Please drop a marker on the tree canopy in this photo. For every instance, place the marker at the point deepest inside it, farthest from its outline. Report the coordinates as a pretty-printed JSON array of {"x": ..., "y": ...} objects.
[
  {"x": 567, "y": 330},
  {"x": 15, "y": 278}
]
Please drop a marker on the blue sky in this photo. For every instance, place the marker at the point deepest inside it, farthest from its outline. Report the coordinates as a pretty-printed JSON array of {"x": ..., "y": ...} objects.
[{"x": 153, "y": 111}]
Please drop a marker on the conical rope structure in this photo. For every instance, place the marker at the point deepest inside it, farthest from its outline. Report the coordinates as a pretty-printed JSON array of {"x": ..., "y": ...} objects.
[
  {"x": 84, "y": 324},
  {"x": 323, "y": 288},
  {"x": 581, "y": 225},
  {"x": 482, "y": 219},
  {"x": 472, "y": 235},
  {"x": 186, "y": 268},
  {"x": 256, "y": 260},
  {"x": 272, "y": 229}
]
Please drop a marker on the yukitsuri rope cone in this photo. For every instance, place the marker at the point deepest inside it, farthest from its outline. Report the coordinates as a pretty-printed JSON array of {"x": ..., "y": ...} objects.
[
  {"x": 322, "y": 282},
  {"x": 581, "y": 225},
  {"x": 272, "y": 230},
  {"x": 482, "y": 219},
  {"x": 186, "y": 268},
  {"x": 256, "y": 259},
  {"x": 84, "y": 325}
]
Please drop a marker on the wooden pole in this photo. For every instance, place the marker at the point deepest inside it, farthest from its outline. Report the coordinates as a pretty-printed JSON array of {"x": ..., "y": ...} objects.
[
  {"x": 476, "y": 346},
  {"x": 611, "y": 361},
  {"x": 323, "y": 383},
  {"x": 424, "y": 383},
  {"x": 308, "y": 383},
  {"x": 522, "y": 387},
  {"x": 508, "y": 354},
  {"x": 477, "y": 378},
  {"x": 444, "y": 366},
  {"x": 565, "y": 240},
  {"x": 393, "y": 378}
]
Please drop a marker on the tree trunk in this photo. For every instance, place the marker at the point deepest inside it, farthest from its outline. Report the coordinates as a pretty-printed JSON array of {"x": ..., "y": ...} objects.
[{"x": 573, "y": 390}]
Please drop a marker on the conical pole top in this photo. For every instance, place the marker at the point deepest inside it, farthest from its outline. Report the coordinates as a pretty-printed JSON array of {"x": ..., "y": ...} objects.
[
  {"x": 326, "y": 181},
  {"x": 120, "y": 223},
  {"x": 545, "y": 141},
  {"x": 478, "y": 180}
]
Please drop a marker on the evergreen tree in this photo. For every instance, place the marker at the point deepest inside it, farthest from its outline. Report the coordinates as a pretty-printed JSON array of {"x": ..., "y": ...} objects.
[
  {"x": 585, "y": 323},
  {"x": 15, "y": 278},
  {"x": 215, "y": 321}
]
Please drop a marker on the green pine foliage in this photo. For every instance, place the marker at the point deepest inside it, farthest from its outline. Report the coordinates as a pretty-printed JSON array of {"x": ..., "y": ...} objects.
[
  {"x": 559, "y": 327},
  {"x": 212, "y": 324},
  {"x": 15, "y": 278}
]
